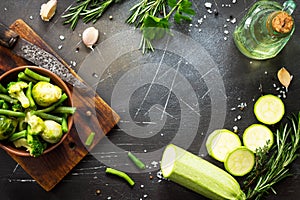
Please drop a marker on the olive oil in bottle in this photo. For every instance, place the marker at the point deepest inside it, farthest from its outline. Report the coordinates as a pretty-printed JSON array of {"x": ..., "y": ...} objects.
[{"x": 265, "y": 29}]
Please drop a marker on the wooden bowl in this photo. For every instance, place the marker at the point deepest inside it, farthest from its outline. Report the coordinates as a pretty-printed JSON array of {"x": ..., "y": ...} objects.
[{"x": 12, "y": 75}]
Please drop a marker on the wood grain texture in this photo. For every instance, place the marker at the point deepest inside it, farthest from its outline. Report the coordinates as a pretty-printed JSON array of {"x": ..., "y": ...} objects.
[{"x": 50, "y": 169}]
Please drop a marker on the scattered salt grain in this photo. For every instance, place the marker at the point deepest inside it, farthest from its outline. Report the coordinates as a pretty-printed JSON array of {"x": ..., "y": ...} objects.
[
  {"x": 225, "y": 38},
  {"x": 233, "y": 1},
  {"x": 266, "y": 72},
  {"x": 200, "y": 29},
  {"x": 95, "y": 75},
  {"x": 31, "y": 17},
  {"x": 235, "y": 129},
  {"x": 226, "y": 32},
  {"x": 145, "y": 151},
  {"x": 5, "y": 9},
  {"x": 110, "y": 17},
  {"x": 274, "y": 85},
  {"x": 204, "y": 16},
  {"x": 59, "y": 47},
  {"x": 208, "y": 5},
  {"x": 190, "y": 25},
  {"x": 108, "y": 198},
  {"x": 145, "y": 195},
  {"x": 142, "y": 186},
  {"x": 209, "y": 11},
  {"x": 233, "y": 109},
  {"x": 233, "y": 20},
  {"x": 61, "y": 37}
]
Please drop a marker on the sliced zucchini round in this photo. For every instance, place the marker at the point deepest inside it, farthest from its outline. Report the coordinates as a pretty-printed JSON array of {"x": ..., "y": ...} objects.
[
  {"x": 220, "y": 142},
  {"x": 257, "y": 136},
  {"x": 240, "y": 161},
  {"x": 269, "y": 109}
]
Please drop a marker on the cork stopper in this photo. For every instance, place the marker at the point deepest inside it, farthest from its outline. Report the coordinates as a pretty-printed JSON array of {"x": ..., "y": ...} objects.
[{"x": 282, "y": 23}]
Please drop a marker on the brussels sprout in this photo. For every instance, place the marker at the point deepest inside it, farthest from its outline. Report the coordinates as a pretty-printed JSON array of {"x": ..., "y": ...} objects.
[
  {"x": 7, "y": 126},
  {"x": 45, "y": 94},
  {"x": 53, "y": 132}
]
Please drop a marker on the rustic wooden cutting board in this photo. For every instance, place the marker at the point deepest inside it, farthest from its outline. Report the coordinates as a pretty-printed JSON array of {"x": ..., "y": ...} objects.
[{"x": 50, "y": 169}]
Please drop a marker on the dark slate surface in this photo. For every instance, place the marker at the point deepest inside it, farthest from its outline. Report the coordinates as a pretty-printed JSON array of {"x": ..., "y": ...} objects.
[{"x": 191, "y": 85}]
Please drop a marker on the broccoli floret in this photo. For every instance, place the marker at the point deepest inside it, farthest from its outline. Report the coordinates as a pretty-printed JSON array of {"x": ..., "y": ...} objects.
[
  {"x": 36, "y": 124},
  {"x": 15, "y": 90},
  {"x": 32, "y": 144},
  {"x": 36, "y": 147},
  {"x": 17, "y": 107}
]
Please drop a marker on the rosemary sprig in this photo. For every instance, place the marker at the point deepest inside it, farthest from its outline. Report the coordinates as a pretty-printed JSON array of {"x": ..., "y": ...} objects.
[
  {"x": 88, "y": 10},
  {"x": 154, "y": 20},
  {"x": 271, "y": 169}
]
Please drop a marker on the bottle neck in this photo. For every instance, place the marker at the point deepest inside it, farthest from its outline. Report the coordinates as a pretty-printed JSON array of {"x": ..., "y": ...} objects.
[{"x": 279, "y": 24}]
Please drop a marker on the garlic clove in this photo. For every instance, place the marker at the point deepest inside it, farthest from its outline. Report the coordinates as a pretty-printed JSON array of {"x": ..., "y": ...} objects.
[
  {"x": 90, "y": 37},
  {"x": 48, "y": 10},
  {"x": 284, "y": 77}
]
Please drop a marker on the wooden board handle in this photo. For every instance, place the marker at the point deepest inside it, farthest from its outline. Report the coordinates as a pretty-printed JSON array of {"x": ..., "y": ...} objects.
[{"x": 7, "y": 37}]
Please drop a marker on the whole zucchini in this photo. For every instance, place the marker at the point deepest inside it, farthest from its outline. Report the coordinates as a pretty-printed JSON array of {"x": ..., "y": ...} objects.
[{"x": 199, "y": 175}]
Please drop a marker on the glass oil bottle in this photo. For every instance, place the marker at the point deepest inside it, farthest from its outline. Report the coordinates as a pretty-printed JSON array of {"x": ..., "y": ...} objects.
[{"x": 265, "y": 29}]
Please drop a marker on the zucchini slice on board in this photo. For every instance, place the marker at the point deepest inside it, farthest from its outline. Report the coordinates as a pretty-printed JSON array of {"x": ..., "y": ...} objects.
[
  {"x": 220, "y": 142},
  {"x": 269, "y": 109},
  {"x": 199, "y": 175},
  {"x": 240, "y": 161},
  {"x": 256, "y": 136}
]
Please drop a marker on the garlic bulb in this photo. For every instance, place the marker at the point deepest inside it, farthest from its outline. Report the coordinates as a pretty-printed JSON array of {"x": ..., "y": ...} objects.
[
  {"x": 90, "y": 37},
  {"x": 48, "y": 10}
]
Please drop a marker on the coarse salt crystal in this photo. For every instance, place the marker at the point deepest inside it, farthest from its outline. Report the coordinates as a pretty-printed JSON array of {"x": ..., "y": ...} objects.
[
  {"x": 61, "y": 37},
  {"x": 208, "y": 5},
  {"x": 226, "y": 32}
]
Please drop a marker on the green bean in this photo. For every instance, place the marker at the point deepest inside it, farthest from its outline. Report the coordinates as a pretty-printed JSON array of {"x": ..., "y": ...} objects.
[
  {"x": 11, "y": 113},
  {"x": 120, "y": 174},
  {"x": 64, "y": 123},
  {"x": 63, "y": 97},
  {"x": 24, "y": 77},
  {"x": 2, "y": 89},
  {"x": 90, "y": 139},
  {"x": 65, "y": 109},
  {"x": 18, "y": 135},
  {"x": 136, "y": 161},
  {"x": 8, "y": 99},
  {"x": 36, "y": 76},
  {"x": 29, "y": 95},
  {"x": 47, "y": 116}
]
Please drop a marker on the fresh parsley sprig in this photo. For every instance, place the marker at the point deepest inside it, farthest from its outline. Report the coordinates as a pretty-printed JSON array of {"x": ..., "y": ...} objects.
[
  {"x": 270, "y": 169},
  {"x": 154, "y": 20}
]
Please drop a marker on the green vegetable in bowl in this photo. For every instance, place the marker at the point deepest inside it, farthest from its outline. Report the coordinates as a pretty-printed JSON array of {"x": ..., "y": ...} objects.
[
  {"x": 36, "y": 124},
  {"x": 33, "y": 112},
  {"x": 45, "y": 93},
  {"x": 32, "y": 143},
  {"x": 36, "y": 147},
  {"x": 15, "y": 90},
  {"x": 7, "y": 126},
  {"x": 53, "y": 132}
]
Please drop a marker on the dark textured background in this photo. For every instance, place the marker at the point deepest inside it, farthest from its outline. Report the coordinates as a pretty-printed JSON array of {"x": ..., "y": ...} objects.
[{"x": 244, "y": 80}]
